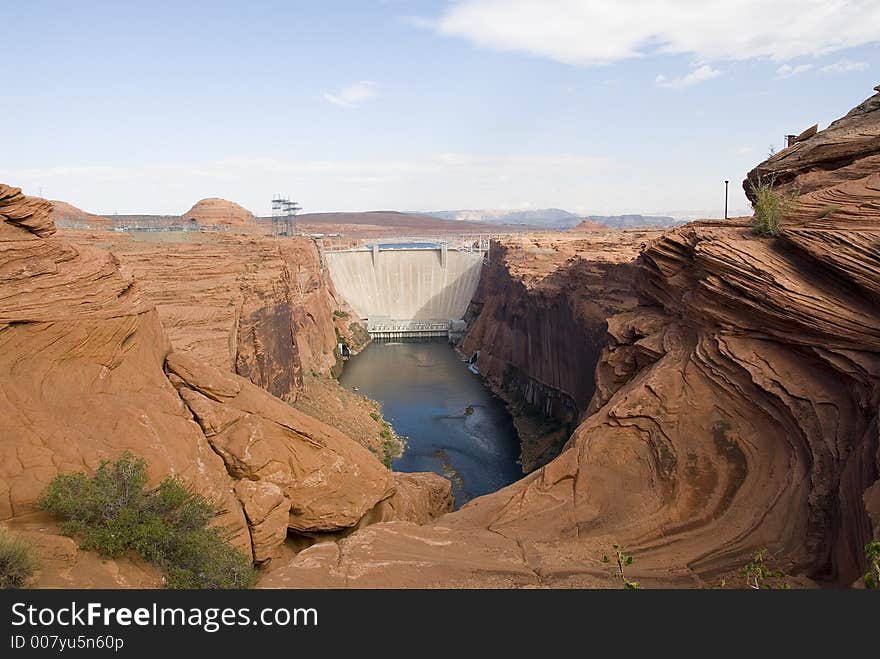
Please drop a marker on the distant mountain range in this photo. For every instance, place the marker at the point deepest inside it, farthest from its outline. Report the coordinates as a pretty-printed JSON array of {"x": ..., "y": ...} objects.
[
  {"x": 631, "y": 221},
  {"x": 548, "y": 218},
  {"x": 555, "y": 218}
]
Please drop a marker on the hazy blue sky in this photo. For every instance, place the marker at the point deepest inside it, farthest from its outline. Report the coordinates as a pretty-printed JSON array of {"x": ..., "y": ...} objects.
[{"x": 595, "y": 106}]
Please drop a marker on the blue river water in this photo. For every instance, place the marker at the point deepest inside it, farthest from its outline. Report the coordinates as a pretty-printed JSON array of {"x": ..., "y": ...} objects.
[{"x": 453, "y": 424}]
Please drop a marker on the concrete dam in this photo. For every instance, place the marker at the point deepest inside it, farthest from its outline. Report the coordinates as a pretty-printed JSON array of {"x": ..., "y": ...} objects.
[{"x": 409, "y": 288}]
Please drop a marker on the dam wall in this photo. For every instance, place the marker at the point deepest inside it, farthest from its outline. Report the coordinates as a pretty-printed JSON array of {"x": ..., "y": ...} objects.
[{"x": 406, "y": 284}]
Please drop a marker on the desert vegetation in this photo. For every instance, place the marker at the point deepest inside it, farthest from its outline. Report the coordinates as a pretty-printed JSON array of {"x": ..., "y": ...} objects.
[
  {"x": 872, "y": 559},
  {"x": 114, "y": 512},
  {"x": 622, "y": 560},
  {"x": 760, "y": 576},
  {"x": 17, "y": 560},
  {"x": 771, "y": 208}
]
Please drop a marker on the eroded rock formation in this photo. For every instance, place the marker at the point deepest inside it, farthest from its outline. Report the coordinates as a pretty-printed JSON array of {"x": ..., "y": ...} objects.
[
  {"x": 81, "y": 367},
  {"x": 88, "y": 372},
  {"x": 219, "y": 212},
  {"x": 537, "y": 326},
  {"x": 736, "y": 407},
  {"x": 252, "y": 305}
]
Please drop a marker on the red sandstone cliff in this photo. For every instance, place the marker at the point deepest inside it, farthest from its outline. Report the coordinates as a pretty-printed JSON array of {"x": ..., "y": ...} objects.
[
  {"x": 219, "y": 212},
  {"x": 256, "y": 306},
  {"x": 537, "y": 326},
  {"x": 736, "y": 407},
  {"x": 87, "y": 372}
]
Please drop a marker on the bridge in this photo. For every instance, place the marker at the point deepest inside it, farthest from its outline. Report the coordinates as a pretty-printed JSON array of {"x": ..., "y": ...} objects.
[{"x": 408, "y": 286}]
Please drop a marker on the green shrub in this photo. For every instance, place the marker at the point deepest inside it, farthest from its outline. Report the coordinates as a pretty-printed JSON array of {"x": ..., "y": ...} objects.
[
  {"x": 761, "y": 576},
  {"x": 374, "y": 416},
  {"x": 17, "y": 560},
  {"x": 340, "y": 314},
  {"x": 623, "y": 560},
  {"x": 390, "y": 450},
  {"x": 771, "y": 208},
  {"x": 113, "y": 512},
  {"x": 872, "y": 559}
]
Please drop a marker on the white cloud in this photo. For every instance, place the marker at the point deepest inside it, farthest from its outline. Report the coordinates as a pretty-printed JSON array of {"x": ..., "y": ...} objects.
[
  {"x": 354, "y": 94},
  {"x": 698, "y": 75},
  {"x": 787, "y": 71},
  {"x": 743, "y": 150},
  {"x": 591, "y": 32},
  {"x": 844, "y": 66}
]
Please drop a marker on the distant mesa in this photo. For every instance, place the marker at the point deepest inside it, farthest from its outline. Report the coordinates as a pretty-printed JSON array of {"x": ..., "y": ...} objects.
[
  {"x": 216, "y": 211},
  {"x": 588, "y": 225},
  {"x": 68, "y": 215}
]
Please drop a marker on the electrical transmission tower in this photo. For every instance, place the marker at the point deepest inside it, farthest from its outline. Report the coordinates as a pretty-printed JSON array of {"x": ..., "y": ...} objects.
[{"x": 284, "y": 216}]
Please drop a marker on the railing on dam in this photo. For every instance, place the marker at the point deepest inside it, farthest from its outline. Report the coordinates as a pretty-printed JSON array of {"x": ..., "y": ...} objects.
[
  {"x": 459, "y": 242},
  {"x": 385, "y": 328}
]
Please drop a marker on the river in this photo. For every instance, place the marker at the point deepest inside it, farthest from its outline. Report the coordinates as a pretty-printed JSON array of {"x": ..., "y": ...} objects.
[{"x": 453, "y": 424}]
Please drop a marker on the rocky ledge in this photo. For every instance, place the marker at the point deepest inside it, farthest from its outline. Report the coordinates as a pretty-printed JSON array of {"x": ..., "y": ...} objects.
[
  {"x": 89, "y": 372},
  {"x": 735, "y": 407}
]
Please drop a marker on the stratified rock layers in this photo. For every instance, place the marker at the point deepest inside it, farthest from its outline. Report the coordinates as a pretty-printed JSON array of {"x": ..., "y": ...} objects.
[
  {"x": 81, "y": 366},
  {"x": 538, "y": 323},
  {"x": 88, "y": 372},
  {"x": 256, "y": 306},
  {"x": 735, "y": 407}
]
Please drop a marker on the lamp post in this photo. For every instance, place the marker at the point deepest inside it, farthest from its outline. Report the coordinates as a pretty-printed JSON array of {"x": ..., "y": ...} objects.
[{"x": 725, "y": 197}]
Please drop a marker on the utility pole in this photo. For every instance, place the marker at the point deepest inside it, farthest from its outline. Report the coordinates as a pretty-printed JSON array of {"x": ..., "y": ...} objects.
[{"x": 725, "y": 197}]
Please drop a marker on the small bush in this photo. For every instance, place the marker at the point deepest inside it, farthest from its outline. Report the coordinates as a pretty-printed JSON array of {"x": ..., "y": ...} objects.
[
  {"x": 872, "y": 559},
  {"x": 17, "y": 560},
  {"x": 623, "y": 560},
  {"x": 390, "y": 450},
  {"x": 374, "y": 416},
  {"x": 770, "y": 208},
  {"x": 340, "y": 314},
  {"x": 112, "y": 512},
  {"x": 392, "y": 445},
  {"x": 761, "y": 576}
]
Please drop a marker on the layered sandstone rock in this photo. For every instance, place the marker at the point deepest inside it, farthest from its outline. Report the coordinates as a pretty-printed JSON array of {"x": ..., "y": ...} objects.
[
  {"x": 835, "y": 173},
  {"x": 219, "y": 212},
  {"x": 81, "y": 367},
  {"x": 255, "y": 306},
  {"x": 736, "y": 407},
  {"x": 329, "y": 481},
  {"x": 537, "y": 326},
  {"x": 87, "y": 372}
]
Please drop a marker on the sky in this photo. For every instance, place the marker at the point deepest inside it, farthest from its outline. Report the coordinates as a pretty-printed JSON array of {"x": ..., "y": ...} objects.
[{"x": 593, "y": 106}]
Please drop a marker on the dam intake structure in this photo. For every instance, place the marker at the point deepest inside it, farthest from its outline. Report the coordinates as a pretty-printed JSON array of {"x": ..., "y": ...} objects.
[{"x": 408, "y": 287}]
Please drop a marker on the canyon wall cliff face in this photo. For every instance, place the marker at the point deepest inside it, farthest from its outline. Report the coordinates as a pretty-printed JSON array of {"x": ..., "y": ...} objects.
[
  {"x": 81, "y": 367},
  {"x": 736, "y": 407},
  {"x": 260, "y": 307},
  {"x": 537, "y": 326},
  {"x": 87, "y": 372}
]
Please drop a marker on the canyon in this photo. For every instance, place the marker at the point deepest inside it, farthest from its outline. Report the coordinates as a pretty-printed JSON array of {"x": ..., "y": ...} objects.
[{"x": 694, "y": 394}]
